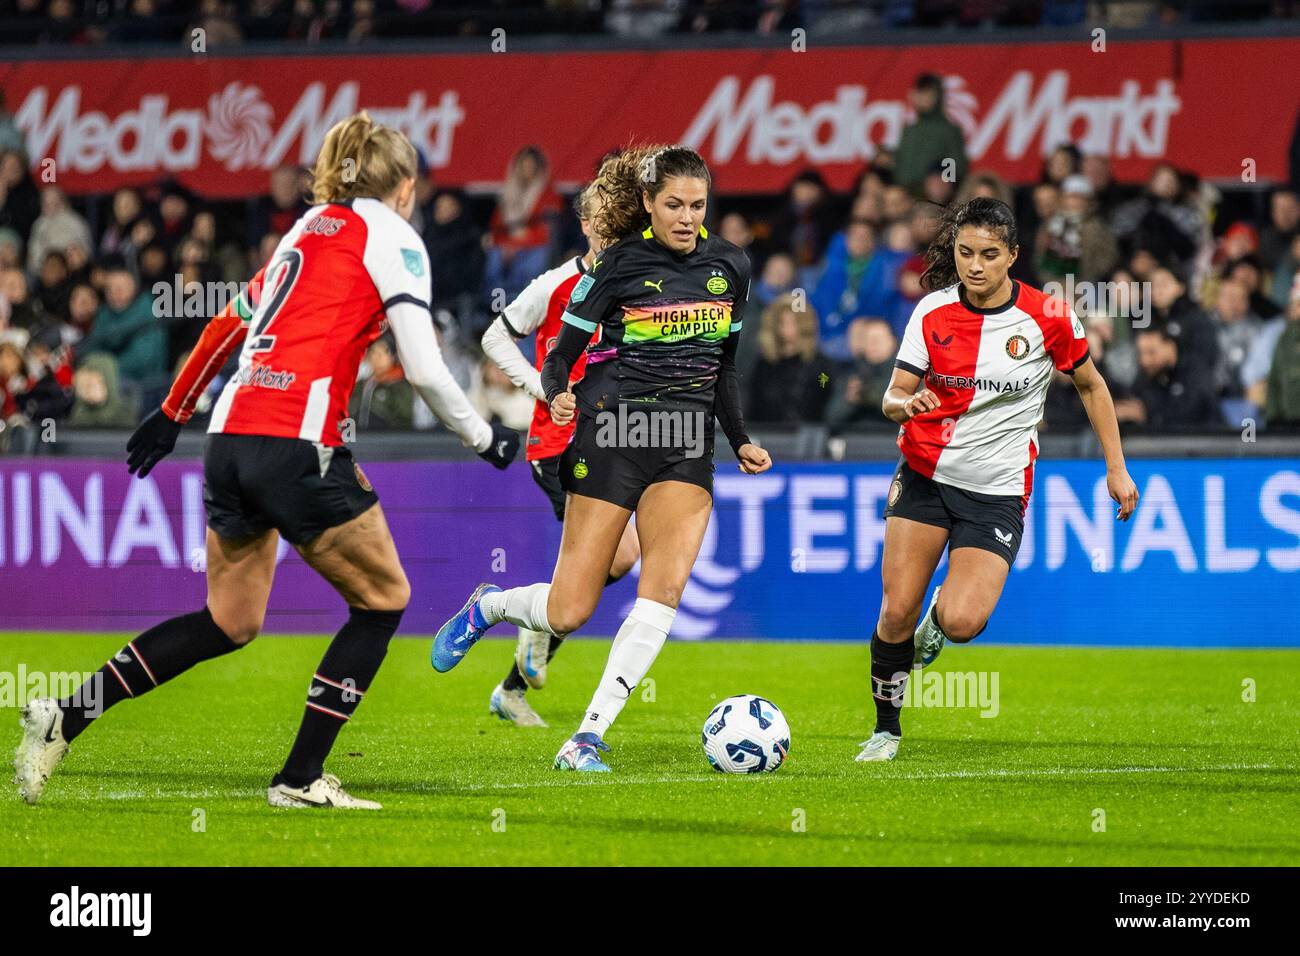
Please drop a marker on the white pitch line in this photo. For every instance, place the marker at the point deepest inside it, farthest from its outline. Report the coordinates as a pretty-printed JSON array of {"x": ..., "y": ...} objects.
[
  {"x": 569, "y": 780},
  {"x": 1073, "y": 771}
]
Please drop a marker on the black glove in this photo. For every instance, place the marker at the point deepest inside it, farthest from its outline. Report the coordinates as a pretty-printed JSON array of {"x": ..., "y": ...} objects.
[
  {"x": 504, "y": 447},
  {"x": 152, "y": 440}
]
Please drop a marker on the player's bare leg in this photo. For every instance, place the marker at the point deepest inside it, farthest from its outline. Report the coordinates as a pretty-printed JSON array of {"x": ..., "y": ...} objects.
[
  {"x": 911, "y": 553},
  {"x": 535, "y": 649},
  {"x": 239, "y": 573},
  {"x": 970, "y": 592},
  {"x": 672, "y": 518},
  {"x": 360, "y": 560}
]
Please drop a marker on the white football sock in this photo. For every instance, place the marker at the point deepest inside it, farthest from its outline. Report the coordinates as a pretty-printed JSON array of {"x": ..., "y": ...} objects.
[
  {"x": 636, "y": 645},
  {"x": 522, "y": 607}
]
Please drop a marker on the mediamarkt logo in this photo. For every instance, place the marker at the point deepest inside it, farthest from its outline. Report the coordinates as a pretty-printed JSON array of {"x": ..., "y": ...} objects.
[
  {"x": 237, "y": 129},
  {"x": 851, "y": 127}
]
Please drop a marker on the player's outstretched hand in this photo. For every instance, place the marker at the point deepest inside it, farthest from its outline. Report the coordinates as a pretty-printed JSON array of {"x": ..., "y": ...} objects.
[
  {"x": 563, "y": 407},
  {"x": 152, "y": 440},
  {"x": 753, "y": 460},
  {"x": 923, "y": 401},
  {"x": 1123, "y": 491},
  {"x": 504, "y": 447}
]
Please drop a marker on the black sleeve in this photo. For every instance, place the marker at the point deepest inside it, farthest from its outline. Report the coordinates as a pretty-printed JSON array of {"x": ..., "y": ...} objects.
[
  {"x": 559, "y": 363},
  {"x": 726, "y": 396}
]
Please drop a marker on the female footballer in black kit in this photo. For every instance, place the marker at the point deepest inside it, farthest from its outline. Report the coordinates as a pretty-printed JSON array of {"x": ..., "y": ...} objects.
[
  {"x": 669, "y": 299},
  {"x": 968, "y": 390}
]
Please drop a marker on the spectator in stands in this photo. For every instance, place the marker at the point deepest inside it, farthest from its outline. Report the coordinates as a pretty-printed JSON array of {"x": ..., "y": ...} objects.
[
  {"x": 785, "y": 386},
  {"x": 11, "y": 137},
  {"x": 930, "y": 139},
  {"x": 642, "y": 19},
  {"x": 1185, "y": 322},
  {"x": 53, "y": 285},
  {"x": 126, "y": 209},
  {"x": 57, "y": 227},
  {"x": 383, "y": 399},
  {"x": 24, "y": 313},
  {"x": 175, "y": 215},
  {"x": 280, "y": 208},
  {"x": 735, "y": 229},
  {"x": 1163, "y": 220},
  {"x": 1237, "y": 327},
  {"x": 495, "y": 397},
  {"x": 49, "y": 377},
  {"x": 519, "y": 237},
  {"x": 1283, "y": 227},
  {"x": 1285, "y": 273},
  {"x": 11, "y": 249},
  {"x": 856, "y": 393},
  {"x": 127, "y": 329},
  {"x": 98, "y": 400},
  {"x": 83, "y": 306},
  {"x": 218, "y": 21},
  {"x": 1249, "y": 271},
  {"x": 1283, "y": 394},
  {"x": 1073, "y": 241},
  {"x": 1062, "y": 163},
  {"x": 455, "y": 253},
  {"x": 1169, "y": 394},
  {"x": 807, "y": 219},
  {"x": 777, "y": 278},
  {"x": 986, "y": 184},
  {"x": 1106, "y": 193},
  {"x": 859, "y": 279},
  {"x": 20, "y": 204}
]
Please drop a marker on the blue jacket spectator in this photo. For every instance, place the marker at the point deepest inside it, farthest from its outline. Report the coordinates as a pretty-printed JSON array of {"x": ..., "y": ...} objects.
[{"x": 859, "y": 280}]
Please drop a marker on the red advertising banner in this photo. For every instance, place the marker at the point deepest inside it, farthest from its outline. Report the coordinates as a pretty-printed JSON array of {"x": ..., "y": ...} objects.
[{"x": 1222, "y": 108}]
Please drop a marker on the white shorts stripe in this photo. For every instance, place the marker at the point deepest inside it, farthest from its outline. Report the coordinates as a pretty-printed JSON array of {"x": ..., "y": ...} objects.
[{"x": 318, "y": 406}]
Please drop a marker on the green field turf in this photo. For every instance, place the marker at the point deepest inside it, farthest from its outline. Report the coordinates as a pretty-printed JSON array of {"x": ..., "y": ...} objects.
[{"x": 1185, "y": 771}]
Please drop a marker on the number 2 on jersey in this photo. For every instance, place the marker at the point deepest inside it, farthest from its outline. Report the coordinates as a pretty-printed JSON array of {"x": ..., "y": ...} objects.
[{"x": 280, "y": 275}]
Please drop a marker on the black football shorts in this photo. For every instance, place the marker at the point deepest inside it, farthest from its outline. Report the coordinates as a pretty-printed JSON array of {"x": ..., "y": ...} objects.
[
  {"x": 620, "y": 475},
  {"x": 252, "y": 483},
  {"x": 989, "y": 522}
]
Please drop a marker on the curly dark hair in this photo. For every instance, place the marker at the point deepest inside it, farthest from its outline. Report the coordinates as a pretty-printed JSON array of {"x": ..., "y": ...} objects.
[
  {"x": 992, "y": 214},
  {"x": 630, "y": 172}
]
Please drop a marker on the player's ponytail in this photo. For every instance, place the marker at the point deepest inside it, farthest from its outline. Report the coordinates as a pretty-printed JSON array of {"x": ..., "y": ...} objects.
[
  {"x": 626, "y": 175},
  {"x": 361, "y": 158},
  {"x": 991, "y": 214}
]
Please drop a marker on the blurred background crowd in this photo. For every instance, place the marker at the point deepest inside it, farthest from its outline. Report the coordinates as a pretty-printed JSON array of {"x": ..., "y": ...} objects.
[
  {"x": 225, "y": 22},
  {"x": 1191, "y": 304}
]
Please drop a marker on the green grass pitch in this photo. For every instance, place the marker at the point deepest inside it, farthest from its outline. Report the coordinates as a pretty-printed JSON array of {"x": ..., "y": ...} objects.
[{"x": 1161, "y": 742}]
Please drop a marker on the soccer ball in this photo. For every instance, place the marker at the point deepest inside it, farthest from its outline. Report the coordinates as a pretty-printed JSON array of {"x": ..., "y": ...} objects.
[{"x": 746, "y": 734}]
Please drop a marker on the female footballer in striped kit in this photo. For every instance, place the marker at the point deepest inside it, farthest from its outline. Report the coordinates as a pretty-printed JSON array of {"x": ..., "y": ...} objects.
[{"x": 968, "y": 390}]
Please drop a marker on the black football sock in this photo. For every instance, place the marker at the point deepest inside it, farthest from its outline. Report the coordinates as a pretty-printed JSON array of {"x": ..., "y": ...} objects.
[
  {"x": 887, "y": 662},
  {"x": 350, "y": 663},
  {"x": 515, "y": 680},
  {"x": 155, "y": 657}
]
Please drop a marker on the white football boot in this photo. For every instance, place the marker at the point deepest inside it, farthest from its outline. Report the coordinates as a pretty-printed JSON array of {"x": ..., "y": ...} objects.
[
  {"x": 929, "y": 639},
  {"x": 512, "y": 705},
  {"x": 324, "y": 791},
  {"x": 881, "y": 747},
  {"x": 530, "y": 657},
  {"x": 41, "y": 748}
]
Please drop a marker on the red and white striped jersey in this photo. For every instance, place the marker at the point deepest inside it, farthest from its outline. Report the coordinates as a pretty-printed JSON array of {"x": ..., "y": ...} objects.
[
  {"x": 990, "y": 370},
  {"x": 323, "y": 301},
  {"x": 538, "y": 309}
]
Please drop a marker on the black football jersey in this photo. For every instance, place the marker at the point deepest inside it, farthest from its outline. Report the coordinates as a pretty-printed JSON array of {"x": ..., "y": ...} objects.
[{"x": 663, "y": 317}]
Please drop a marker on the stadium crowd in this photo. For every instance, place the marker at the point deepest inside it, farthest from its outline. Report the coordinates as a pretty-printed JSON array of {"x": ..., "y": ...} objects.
[
  {"x": 1194, "y": 320},
  {"x": 225, "y": 22}
]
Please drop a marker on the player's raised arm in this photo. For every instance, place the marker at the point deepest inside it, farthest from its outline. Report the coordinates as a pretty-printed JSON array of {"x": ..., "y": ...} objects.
[
  {"x": 520, "y": 319},
  {"x": 155, "y": 437},
  {"x": 401, "y": 274}
]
